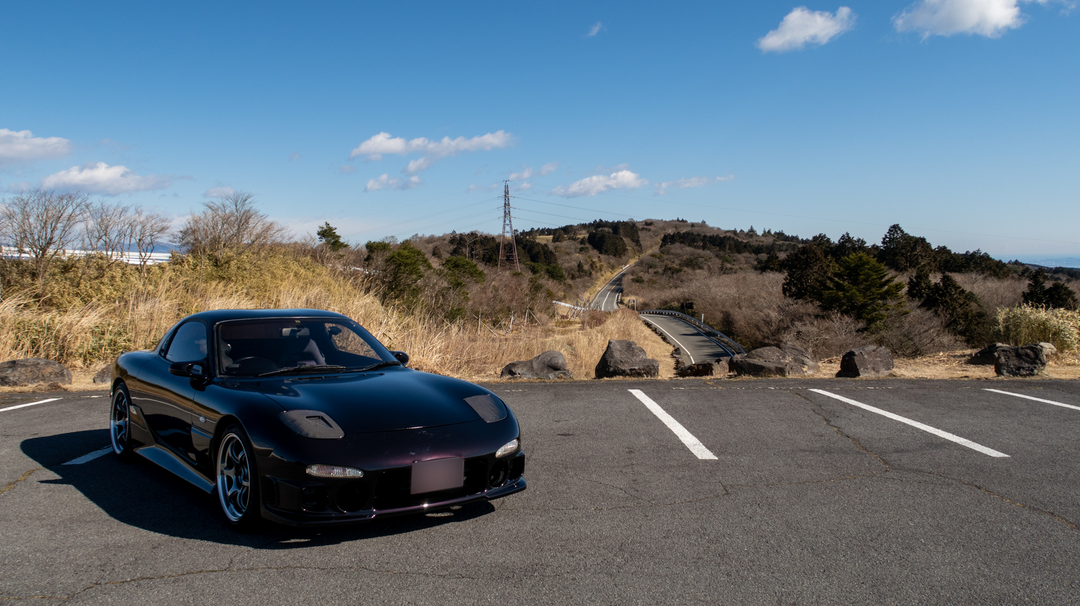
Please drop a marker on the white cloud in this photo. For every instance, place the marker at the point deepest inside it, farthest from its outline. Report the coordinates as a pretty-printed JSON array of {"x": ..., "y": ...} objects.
[
  {"x": 803, "y": 26},
  {"x": 222, "y": 191},
  {"x": 418, "y": 165},
  {"x": 528, "y": 171},
  {"x": 661, "y": 188},
  {"x": 598, "y": 184},
  {"x": 475, "y": 187},
  {"x": 989, "y": 18},
  {"x": 348, "y": 169},
  {"x": 524, "y": 186},
  {"x": 100, "y": 178},
  {"x": 382, "y": 143},
  {"x": 22, "y": 146},
  {"x": 386, "y": 182},
  {"x": 595, "y": 29}
]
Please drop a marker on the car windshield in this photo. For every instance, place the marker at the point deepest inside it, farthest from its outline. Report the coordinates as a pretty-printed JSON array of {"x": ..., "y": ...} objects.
[{"x": 296, "y": 345}]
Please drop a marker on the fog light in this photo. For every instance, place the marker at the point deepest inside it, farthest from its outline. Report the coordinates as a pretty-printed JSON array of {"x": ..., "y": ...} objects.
[
  {"x": 509, "y": 448},
  {"x": 334, "y": 471}
]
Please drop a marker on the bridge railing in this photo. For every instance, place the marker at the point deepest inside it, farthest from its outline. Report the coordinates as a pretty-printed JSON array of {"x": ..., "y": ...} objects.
[{"x": 725, "y": 342}]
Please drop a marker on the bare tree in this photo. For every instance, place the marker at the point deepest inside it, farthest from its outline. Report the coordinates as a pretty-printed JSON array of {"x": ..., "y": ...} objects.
[
  {"x": 146, "y": 231},
  {"x": 230, "y": 223},
  {"x": 108, "y": 229},
  {"x": 42, "y": 223}
]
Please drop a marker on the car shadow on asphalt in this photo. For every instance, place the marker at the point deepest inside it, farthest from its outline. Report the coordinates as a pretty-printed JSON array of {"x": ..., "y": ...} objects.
[{"x": 141, "y": 494}]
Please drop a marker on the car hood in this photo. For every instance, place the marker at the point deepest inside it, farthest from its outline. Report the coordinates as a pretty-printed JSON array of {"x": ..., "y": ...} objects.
[{"x": 384, "y": 401}]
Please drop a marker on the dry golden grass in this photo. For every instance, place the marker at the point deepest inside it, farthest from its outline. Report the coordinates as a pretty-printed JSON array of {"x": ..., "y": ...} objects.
[
  {"x": 85, "y": 336},
  {"x": 458, "y": 350}
]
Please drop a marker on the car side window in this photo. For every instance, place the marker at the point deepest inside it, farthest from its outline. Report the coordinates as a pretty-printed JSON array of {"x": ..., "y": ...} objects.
[{"x": 189, "y": 343}]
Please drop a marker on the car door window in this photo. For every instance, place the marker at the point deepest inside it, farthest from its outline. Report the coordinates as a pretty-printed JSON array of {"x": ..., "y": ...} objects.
[{"x": 189, "y": 344}]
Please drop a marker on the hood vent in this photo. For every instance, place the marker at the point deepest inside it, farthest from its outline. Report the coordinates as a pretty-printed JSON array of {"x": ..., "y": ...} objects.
[
  {"x": 312, "y": 424},
  {"x": 489, "y": 407}
]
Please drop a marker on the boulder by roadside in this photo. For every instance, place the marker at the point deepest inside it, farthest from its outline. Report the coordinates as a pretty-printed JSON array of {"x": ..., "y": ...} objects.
[
  {"x": 1026, "y": 361},
  {"x": 33, "y": 371},
  {"x": 786, "y": 361},
  {"x": 104, "y": 375},
  {"x": 868, "y": 361},
  {"x": 986, "y": 355},
  {"x": 626, "y": 359},
  {"x": 548, "y": 365},
  {"x": 716, "y": 368}
]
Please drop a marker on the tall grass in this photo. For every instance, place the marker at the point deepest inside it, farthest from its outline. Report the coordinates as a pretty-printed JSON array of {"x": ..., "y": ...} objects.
[
  {"x": 1026, "y": 324},
  {"x": 87, "y": 323}
]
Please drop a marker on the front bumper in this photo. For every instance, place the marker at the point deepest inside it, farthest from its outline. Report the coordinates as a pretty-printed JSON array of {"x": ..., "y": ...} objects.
[{"x": 319, "y": 502}]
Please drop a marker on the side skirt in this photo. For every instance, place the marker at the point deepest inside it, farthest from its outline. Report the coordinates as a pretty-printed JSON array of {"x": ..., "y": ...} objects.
[{"x": 171, "y": 462}]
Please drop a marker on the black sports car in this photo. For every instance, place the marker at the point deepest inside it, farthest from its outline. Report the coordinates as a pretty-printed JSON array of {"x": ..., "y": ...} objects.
[{"x": 303, "y": 418}]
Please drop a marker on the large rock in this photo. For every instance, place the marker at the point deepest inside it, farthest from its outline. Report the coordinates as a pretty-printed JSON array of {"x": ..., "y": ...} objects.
[
  {"x": 626, "y": 359},
  {"x": 788, "y": 361},
  {"x": 104, "y": 375},
  {"x": 799, "y": 356},
  {"x": 743, "y": 365},
  {"x": 869, "y": 361},
  {"x": 986, "y": 355},
  {"x": 1026, "y": 361},
  {"x": 32, "y": 371},
  {"x": 1048, "y": 349},
  {"x": 548, "y": 365},
  {"x": 716, "y": 368}
]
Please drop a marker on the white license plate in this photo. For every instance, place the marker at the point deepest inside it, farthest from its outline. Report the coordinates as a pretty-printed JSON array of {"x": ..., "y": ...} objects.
[{"x": 437, "y": 474}]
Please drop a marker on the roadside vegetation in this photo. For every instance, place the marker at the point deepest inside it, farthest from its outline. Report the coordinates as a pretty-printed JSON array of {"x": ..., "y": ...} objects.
[
  {"x": 827, "y": 297},
  {"x": 442, "y": 299},
  {"x": 457, "y": 309}
]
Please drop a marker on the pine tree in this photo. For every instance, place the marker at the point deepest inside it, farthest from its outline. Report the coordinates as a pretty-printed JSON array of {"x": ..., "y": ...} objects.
[
  {"x": 329, "y": 236},
  {"x": 862, "y": 288}
]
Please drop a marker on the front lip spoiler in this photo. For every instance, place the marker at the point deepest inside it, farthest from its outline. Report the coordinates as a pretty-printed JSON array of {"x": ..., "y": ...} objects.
[{"x": 306, "y": 520}]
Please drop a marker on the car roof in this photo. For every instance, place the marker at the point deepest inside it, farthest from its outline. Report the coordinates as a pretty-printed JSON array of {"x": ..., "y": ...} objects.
[{"x": 224, "y": 315}]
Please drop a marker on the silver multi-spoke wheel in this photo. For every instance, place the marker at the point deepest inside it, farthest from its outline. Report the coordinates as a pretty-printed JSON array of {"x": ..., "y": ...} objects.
[
  {"x": 120, "y": 422},
  {"x": 234, "y": 476}
]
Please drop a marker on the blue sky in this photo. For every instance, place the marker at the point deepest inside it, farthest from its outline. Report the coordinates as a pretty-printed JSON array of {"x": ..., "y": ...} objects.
[{"x": 957, "y": 119}]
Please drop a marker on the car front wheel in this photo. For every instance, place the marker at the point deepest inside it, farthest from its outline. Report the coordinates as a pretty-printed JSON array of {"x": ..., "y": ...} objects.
[
  {"x": 120, "y": 422},
  {"x": 237, "y": 478}
]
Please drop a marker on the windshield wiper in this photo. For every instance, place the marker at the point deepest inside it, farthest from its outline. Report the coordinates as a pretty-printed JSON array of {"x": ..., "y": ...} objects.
[
  {"x": 382, "y": 364},
  {"x": 303, "y": 368}
]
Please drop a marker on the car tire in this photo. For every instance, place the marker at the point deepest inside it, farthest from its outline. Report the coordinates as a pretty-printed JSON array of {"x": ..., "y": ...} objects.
[
  {"x": 120, "y": 422},
  {"x": 237, "y": 478}
]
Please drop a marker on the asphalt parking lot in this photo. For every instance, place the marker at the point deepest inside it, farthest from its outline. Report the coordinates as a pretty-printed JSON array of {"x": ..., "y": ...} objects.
[{"x": 734, "y": 492}]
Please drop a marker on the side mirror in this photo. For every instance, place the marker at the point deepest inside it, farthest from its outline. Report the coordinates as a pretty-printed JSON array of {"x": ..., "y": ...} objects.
[
  {"x": 193, "y": 370},
  {"x": 402, "y": 357}
]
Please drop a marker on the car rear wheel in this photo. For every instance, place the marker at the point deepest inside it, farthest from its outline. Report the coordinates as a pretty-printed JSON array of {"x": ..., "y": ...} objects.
[
  {"x": 120, "y": 422},
  {"x": 237, "y": 478}
]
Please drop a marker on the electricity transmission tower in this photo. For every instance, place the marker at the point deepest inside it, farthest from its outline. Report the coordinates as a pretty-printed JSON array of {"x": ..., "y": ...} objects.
[{"x": 508, "y": 252}]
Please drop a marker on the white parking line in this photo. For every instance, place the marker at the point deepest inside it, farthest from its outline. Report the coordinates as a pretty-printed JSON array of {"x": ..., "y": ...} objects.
[
  {"x": 29, "y": 404},
  {"x": 937, "y": 432},
  {"x": 681, "y": 346},
  {"x": 86, "y": 458},
  {"x": 691, "y": 442},
  {"x": 1018, "y": 395}
]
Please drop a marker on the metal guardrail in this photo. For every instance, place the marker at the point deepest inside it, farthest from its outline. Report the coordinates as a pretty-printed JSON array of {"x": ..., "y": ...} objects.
[
  {"x": 129, "y": 257},
  {"x": 725, "y": 342}
]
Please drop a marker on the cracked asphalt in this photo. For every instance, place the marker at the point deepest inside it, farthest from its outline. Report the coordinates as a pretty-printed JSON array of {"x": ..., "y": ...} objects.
[{"x": 810, "y": 500}]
